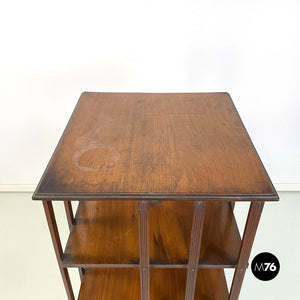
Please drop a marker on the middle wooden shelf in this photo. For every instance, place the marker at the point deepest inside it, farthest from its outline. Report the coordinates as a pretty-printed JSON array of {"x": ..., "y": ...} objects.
[{"x": 105, "y": 234}]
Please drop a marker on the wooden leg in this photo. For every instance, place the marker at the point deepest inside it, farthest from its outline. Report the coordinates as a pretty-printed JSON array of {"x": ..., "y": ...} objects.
[
  {"x": 247, "y": 242},
  {"x": 144, "y": 249},
  {"x": 69, "y": 213},
  {"x": 71, "y": 221},
  {"x": 232, "y": 203},
  {"x": 57, "y": 247},
  {"x": 196, "y": 236}
]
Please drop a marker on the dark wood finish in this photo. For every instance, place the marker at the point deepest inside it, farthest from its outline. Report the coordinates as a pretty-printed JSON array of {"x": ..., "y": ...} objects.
[
  {"x": 247, "y": 242},
  {"x": 69, "y": 214},
  {"x": 232, "y": 204},
  {"x": 165, "y": 284},
  {"x": 105, "y": 233},
  {"x": 221, "y": 238},
  {"x": 149, "y": 158},
  {"x": 211, "y": 285},
  {"x": 155, "y": 146},
  {"x": 110, "y": 284},
  {"x": 57, "y": 247},
  {"x": 170, "y": 284},
  {"x": 196, "y": 238},
  {"x": 144, "y": 249},
  {"x": 81, "y": 273},
  {"x": 70, "y": 219},
  {"x": 102, "y": 226}
]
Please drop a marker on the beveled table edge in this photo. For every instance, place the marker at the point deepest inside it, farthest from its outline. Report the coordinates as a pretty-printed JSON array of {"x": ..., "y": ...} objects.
[{"x": 155, "y": 196}]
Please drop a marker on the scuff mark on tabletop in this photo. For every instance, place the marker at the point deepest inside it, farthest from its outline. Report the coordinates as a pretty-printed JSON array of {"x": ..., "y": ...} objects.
[{"x": 92, "y": 154}]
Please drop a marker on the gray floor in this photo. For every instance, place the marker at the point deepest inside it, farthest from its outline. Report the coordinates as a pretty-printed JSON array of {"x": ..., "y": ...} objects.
[{"x": 29, "y": 269}]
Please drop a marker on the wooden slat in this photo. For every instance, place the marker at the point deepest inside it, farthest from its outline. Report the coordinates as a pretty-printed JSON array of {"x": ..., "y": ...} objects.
[
  {"x": 69, "y": 214},
  {"x": 57, "y": 247},
  {"x": 165, "y": 284},
  {"x": 253, "y": 218},
  {"x": 196, "y": 239},
  {"x": 165, "y": 145},
  {"x": 70, "y": 219},
  {"x": 102, "y": 226},
  {"x": 232, "y": 204},
  {"x": 144, "y": 249}
]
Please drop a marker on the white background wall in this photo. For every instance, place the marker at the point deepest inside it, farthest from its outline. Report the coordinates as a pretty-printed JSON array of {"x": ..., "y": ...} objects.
[{"x": 51, "y": 51}]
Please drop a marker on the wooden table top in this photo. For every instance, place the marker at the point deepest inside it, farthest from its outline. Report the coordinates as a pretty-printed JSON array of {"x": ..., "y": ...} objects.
[{"x": 185, "y": 146}]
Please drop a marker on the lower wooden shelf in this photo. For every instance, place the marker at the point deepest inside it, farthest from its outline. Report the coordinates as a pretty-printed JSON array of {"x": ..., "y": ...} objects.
[
  {"x": 105, "y": 234},
  {"x": 122, "y": 283}
]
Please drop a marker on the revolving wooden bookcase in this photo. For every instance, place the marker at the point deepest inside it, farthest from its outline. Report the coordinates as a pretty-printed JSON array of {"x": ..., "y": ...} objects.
[{"x": 156, "y": 177}]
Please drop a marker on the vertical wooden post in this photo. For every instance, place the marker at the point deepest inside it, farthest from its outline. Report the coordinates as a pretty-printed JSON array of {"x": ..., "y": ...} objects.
[
  {"x": 196, "y": 236},
  {"x": 232, "y": 203},
  {"x": 69, "y": 213},
  {"x": 57, "y": 247},
  {"x": 71, "y": 221},
  {"x": 247, "y": 242},
  {"x": 144, "y": 249}
]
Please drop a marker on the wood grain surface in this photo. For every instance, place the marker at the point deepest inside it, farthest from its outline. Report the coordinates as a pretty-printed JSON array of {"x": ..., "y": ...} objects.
[
  {"x": 165, "y": 284},
  {"x": 110, "y": 284},
  {"x": 106, "y": 232},
  {"x": 142, "y": 146},
  {"x": 170, "y": 284}
]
